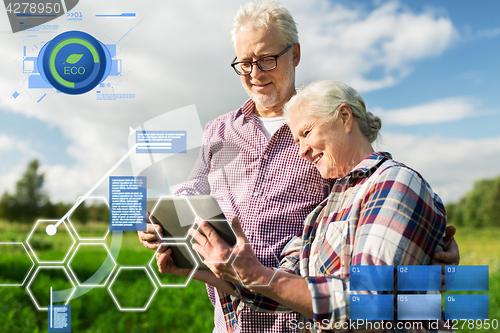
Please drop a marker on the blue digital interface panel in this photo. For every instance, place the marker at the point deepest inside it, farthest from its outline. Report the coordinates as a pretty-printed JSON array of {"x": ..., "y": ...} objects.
[
  {"x": 467, "y": 278},
  {"x": 372, "y": 278},
  {"x": 127, "y": 203},
  {"x": 419, "y": 307},
  {"x": 170, "y": 142},
  {"x": 59, "y": 320},
  {"x": 419, "y": 278},
  {"x": 371, "y": 307},
  {"x": 466, "y": 307}
]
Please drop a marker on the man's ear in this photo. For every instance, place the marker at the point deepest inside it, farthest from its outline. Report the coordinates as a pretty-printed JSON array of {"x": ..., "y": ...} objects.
[
  {"x": 346, "y": 116},
  {"x": 296, "y": 54}
]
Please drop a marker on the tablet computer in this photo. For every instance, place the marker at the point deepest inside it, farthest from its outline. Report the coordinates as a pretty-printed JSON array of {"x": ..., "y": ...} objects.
[{"x": 177, "y": 214}]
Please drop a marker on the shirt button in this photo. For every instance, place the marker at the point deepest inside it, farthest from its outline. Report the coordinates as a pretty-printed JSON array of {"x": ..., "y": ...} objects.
[
  {"x": 266, "y": 157},
  {"x": 255, "y": 194}
]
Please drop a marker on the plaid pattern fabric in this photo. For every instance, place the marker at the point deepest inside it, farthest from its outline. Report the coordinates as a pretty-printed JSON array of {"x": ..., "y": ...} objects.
[
  {"x": 381, "y": 213},
  {"x": 267, "y": 185}
]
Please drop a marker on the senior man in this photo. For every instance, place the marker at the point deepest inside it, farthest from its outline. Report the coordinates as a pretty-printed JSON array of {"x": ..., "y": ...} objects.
[{"x": 250, "y": 164}]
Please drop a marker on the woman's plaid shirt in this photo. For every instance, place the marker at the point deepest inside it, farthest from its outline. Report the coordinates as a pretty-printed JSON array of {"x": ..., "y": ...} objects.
[{"x": 381, "y": 213}]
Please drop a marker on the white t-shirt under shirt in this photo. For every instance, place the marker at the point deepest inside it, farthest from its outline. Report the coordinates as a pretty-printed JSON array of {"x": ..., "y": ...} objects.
[{"x": 271, "y": 125}]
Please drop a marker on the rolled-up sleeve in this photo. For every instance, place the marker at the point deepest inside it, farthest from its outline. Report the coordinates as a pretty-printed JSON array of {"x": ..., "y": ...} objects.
[
  {"x": 330, "y": 298},
  {"x": 290, "y": 256}
]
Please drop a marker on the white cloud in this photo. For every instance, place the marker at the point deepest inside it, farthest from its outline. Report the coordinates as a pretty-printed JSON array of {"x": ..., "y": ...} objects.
[
  {"x": 8, "y": 180},
  {"x": 179, "y": 55},
  {"x": 450, "y": 165},
  {"x": 67, "y": 183},
  {"x": 440, "y": 111},
  {"x": 6, "y": 143},
  {"x": 368, "y": 50},
  {"x": 489, "y": 33},
  {"x": 11, "y": 144}
]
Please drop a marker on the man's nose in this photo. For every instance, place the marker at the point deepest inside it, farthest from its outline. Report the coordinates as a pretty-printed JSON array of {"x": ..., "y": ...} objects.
[{"x": 256, "y": 71}]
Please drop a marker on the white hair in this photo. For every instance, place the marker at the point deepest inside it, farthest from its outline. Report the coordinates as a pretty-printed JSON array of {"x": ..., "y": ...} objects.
[
  {"x": 323, "y": 98},
  {"x": 263, "y": 13}
]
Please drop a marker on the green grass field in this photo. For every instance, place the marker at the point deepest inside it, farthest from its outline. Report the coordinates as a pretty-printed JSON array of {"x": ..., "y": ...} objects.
[
  {"x": 172, "y": 309},
  {"x": 481, "y": 247}
]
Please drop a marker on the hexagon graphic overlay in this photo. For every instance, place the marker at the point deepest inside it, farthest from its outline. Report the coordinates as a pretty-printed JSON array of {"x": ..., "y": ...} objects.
[
  {"x": 180, "y": 214},
  {"x": 46, "y": 277},
  {"x": 87, "y": 220},
  {"x": 17, "y": 264},
  {"x": 130, "y": 276},
  {"x": 50, "y": 249},
  {"x": 91, "y": 264}
]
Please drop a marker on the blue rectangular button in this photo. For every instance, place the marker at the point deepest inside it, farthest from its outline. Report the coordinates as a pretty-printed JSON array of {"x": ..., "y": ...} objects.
[
  {"x": 419, "y": 278},
  {"x": 371, "y": 307},
  {"x": 419, "y": 307},
  {"x": 466, "y": 307},
  {"x": 372, "y": 278},
  {"x": 468, "y": 278}
]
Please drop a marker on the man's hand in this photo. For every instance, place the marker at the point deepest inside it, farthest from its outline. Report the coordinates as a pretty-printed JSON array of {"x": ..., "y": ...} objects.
[
  {"x": 151, "y": 237},
  {"x": 450, "y": 256},
  {"x": 166, "y": 264}
]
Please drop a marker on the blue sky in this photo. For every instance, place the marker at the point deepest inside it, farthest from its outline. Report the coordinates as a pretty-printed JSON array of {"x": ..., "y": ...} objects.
[
  {"x": 430, "y": 69},
  {"x": 470, "y": 68}
]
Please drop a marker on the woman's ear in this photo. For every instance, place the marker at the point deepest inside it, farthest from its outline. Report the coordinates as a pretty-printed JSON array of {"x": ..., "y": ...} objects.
[{"x": 346, "y": 116}]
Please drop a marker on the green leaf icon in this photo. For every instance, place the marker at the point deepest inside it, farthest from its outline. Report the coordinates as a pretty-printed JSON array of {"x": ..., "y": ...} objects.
[{"x": 73, "y": 58}]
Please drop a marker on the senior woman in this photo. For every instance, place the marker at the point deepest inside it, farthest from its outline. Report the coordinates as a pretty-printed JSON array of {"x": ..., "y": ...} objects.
[{"x": 379, "y": 212}]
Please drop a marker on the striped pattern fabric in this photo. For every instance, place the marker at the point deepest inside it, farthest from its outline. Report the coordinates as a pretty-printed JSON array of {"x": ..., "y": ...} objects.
[
  {"x": 268, "y": 186},
  {"x": 381, "y": 213}
]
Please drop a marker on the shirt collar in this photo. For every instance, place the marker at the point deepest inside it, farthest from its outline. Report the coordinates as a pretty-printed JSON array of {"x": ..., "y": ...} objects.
[
  {"x": 247, "y": 109},
  {"x": 368, "y": 165}
]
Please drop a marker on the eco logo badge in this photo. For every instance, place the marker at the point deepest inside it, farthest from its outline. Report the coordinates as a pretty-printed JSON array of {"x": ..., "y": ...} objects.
[{"x": 74, "y": 62}]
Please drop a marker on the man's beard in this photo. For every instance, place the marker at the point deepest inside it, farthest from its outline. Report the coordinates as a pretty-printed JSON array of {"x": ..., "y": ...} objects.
[
  {"x": 274, "y": 98},
  {"x": 265, "y": 101}
]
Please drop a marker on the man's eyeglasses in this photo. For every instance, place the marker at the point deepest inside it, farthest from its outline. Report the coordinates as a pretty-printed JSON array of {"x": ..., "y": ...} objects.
[{"x": 267, "y": 63}]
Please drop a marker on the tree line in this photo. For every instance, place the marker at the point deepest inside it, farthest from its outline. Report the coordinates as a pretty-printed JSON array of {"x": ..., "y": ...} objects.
[
  {"x": 30, "y": 202},
  {"x": 479, "y": 208}
]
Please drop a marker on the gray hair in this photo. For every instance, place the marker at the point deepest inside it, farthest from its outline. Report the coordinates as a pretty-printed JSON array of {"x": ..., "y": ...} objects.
[
  {"x": 263, "y": 13},
  {"x": 323, "y": 98}
]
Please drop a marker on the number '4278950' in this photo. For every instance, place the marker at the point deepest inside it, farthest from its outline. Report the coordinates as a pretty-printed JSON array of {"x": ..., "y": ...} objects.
[
  {"x": 33, "y": 8},
  {"x": 471, "y": 324}
]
